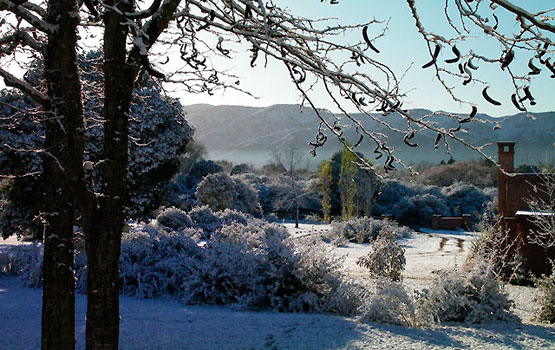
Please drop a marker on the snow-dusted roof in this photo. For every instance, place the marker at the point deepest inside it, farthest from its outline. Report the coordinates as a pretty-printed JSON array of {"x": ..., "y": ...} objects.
[{"x": 535, "y": 213}]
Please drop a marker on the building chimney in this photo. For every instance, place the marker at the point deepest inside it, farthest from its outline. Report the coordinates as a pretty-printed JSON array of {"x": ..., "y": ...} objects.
[
  {"x": 506, "y": 155},
  {"x": 505, "y": 161}
]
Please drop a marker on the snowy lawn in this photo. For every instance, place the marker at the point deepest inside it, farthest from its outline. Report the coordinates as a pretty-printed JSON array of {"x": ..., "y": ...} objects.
[{"x": 165, "y": 324}]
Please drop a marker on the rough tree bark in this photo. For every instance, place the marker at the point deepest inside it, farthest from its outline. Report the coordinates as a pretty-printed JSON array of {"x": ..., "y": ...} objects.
[
  {"x": 104, "y": 234},
  {"x": 63, "y": 150},
  {"x": 103, "y": 222}
]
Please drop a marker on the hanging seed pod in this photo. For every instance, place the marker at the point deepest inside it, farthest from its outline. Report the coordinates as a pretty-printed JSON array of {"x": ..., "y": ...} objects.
[
  {"x": 359, "y": 141},
  {"x": 488, "y": 98},
  {"x": 210, "y": 18},
  {"x": 219, "y": 47},
  {"x": 507, "y": 59},
  {"x": 533, "y": 69},
  {"x": 389, "y": 163},
  {"x": 407, "y": 137},
  {"x": 528, "y": 95},
  {"x": 543, "y": 52},
  {"x": 434, "y": 57},
  {"x": 471, "y": 65},
  {"x": 516, "y": 103},
  {"x": 550, "y": 67},
  {"x": 470, "y": 116},
  {"x": 454, "y": 130},
  {"x": 467, "y": 80},
  {"x": 496, "y": 22},
  {"x": 367, "y": 39},
  {"x": 438, "y": 138},
  {"x": 378, "y": 152},
  {"x": 457, "y": 55}
]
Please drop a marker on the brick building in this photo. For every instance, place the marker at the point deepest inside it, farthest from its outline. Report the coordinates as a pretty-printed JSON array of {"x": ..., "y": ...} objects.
[{"x": 515, "y": 215}]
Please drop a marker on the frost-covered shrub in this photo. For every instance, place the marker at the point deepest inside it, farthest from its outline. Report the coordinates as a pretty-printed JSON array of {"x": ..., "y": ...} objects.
[
  {"x": 471, "y": 297},
  {"x": 392, "y": 192},
  {"x": 215, "y": 191},
  {"x": 496, "y": 247},
  {"x": 253, "y": 266},
  {"x": 388, "y": 302},
  {"x": 365, "y": 229},
  {"x": 241, "y": 169},
  {"x": 479, "y": 174},
  {"x": 22, "y": 260},
  {"x": 545, "y": 300},
  {"x": 226, "y": 275},
  {"x": 347, "y": 298},
  {"x": 174, "y": 219},
  {"x": 386, "y": 257},
  {"x": 245, "y": 198},
  {"x": 313, "y": 219},
  {"x": 465, "y": 199},
  {"x": 205, "y": 219},
  {"x": 230, "y": 216},
  {"x": 420, "y": 206},
  {"x": 154, "y": 264},
  {"x": 414, "y": 201},
  {"x": 201, "y": 169},
  {"x": 220, "y": 191}
]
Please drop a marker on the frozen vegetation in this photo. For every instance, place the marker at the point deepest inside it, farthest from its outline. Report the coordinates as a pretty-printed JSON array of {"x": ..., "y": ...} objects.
[{"x": 176, "y": 265}]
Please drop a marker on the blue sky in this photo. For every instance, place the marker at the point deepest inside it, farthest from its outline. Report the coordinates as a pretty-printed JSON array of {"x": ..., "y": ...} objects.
[{"x": 402, "y": 48}]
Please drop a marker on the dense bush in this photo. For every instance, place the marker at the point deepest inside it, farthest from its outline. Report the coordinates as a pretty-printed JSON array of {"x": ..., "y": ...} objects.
[
  {"x": 498, "y": 249},
  {"x": 388, "y": 301},
  {"x": 252, "y": 265},
  {"x": 471, "y": 297},
  {"x": 174, "y": 219},
  {"x": 241, "y": 169},
  {"x": 365, "y": 229},
  {"x": 205, "y": 219},
  {"x": 386, "y": 257},
  {"x": 220, "y": 191},
  {"x": 480, "y": 174},
  {"x": 200, "y": 169},
  {"x": 23, "y": 260},
  {"x": 215, "y": 191},
  {"x": 413, "y": 201},
  {"x": 545, "y": 311}
]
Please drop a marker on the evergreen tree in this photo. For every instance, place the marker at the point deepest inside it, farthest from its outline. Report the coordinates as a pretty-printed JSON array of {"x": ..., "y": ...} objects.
[
  {"x": 324, "y": 175},
  {"x": 347, "y": 183}
]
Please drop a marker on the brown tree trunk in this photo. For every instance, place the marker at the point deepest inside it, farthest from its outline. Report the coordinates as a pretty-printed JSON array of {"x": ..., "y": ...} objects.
[
  {"x": 104, "y": 236},
  {"x": 58, "y": 305},
  {"x": 103, "y": 219},
  {"x": 62, "y": 162}
]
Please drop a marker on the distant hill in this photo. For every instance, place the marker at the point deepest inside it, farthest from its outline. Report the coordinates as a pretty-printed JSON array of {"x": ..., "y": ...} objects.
[{"x": 250, "y": 134}]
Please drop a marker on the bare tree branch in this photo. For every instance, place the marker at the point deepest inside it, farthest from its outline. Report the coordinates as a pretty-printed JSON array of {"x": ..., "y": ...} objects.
[
  {"x": 12, "y": 81},
  {"x": 519, "y": 11},
  {"x": 26, "y": 15}
]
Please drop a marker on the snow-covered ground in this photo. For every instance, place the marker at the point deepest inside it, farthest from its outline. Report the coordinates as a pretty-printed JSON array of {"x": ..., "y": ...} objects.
[{"x": 165, "y": 324}]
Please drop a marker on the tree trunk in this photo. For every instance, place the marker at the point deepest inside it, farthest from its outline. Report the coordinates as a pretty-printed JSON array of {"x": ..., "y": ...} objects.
[
  {"x": 58, "y": 300},
  {"x": 62, "y": 164},
  {"x": 104, "y": 235},
  {"x": 103, "y": 219}
]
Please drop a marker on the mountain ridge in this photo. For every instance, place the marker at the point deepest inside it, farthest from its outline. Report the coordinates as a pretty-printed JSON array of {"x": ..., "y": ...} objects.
[{"x": 237, "y": 129}]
